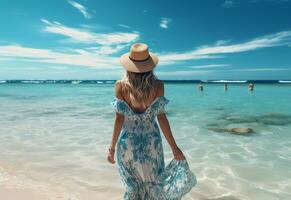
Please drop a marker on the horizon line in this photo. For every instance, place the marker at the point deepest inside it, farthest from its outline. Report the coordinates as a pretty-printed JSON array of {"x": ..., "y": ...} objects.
[{"x": 108, "y": 81}]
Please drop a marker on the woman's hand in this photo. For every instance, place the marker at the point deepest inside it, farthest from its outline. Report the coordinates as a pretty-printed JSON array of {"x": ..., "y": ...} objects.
[
  {"x": 178, "y": 154},
  {"x": 110, "y": 156}
]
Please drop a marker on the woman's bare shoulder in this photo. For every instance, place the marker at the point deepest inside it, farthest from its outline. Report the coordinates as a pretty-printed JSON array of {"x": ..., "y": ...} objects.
[
  {"x": 118, "y": 82},
  {"x": 118, "y": 92},
  {"x": 160, "y": 82}
]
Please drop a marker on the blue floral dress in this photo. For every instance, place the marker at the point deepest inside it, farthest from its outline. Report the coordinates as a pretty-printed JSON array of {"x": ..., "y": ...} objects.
[{"x": 141, "y": 160}]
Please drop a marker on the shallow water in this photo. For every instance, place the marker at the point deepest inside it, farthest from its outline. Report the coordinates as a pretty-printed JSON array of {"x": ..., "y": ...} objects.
[{"x": 59, "y": 134}]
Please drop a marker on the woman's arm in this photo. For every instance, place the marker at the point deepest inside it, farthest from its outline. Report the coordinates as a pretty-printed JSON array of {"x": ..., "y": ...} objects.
[
  {"x": 117, "y": 128},
  {"x": 119, "y": 119},
  {"x": 165, "y": 126}
]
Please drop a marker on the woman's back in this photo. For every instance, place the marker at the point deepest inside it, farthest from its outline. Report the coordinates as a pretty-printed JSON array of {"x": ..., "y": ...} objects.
[
  {"x": 140, "y": 156},
  {"x": 134, "y": 105}
]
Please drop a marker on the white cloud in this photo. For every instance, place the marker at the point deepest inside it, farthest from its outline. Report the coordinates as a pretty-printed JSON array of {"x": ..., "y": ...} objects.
[
  {"x": 168, "y": 58},
  {"x": 98, "y": 54},
  {"x": 215, "y": 51},
  {"x": 273, "y": 1},
  {"x": 182, "y": 72},
  {"x": 107, "y": 50},
  {"x": 228, "y": 4},
  {"x": 82, "y": 9},
  {"x": 86, "y": 36},
  {"x": 78, "y": 57},
  {"x": 209, "y": 66},
  {"x": 201, "y": 72},
  {"x": 277, "y": 39},
  {"x": 124, "y": 26},
  {"x": 261, "y": 69},
  {"x": 96, "y": 50},
  {"x": 222, "y": 42},
  {"x": 165, "y": 22}
]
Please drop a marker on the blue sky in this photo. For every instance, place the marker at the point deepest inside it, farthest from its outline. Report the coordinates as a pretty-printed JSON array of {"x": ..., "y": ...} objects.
[{"x": 201, "y": 39}]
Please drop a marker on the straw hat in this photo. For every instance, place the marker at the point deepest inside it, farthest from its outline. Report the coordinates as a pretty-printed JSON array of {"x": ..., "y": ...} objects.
[{"x": 139, "y": 59}]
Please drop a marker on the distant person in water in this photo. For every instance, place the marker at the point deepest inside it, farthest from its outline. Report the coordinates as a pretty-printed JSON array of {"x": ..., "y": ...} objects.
[
  {"x": 251, "y": 87},
  {"x": 200, "y": 87},
  {"x": 225, "y": 87}
]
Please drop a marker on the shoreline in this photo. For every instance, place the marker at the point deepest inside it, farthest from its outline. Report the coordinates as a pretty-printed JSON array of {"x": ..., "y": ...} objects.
[{"x": 19, "y": 186}]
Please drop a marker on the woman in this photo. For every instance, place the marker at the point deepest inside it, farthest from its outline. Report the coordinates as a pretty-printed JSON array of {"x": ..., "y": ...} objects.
[{"x": 139, "y": 99}]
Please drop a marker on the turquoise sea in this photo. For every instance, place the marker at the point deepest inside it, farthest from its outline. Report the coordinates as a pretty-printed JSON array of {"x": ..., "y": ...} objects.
[{"x": 58, "y": 134}]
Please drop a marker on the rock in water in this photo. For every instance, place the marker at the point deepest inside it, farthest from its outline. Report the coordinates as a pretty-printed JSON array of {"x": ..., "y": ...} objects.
[
  {"x": 240, "y": 131},
  {"x": 235, "y": 131}
]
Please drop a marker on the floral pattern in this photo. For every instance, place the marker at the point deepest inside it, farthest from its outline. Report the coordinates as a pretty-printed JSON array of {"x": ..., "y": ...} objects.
[{"x": 141, "y": 160}]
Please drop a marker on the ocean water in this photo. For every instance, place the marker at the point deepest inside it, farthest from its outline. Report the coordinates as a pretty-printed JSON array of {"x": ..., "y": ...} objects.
[{"x": 57, "y": 135}]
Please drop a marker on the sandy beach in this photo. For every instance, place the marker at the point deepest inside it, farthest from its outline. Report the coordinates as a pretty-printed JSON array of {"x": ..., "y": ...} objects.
[
  {"x": 16, "y": 186},
  {"x": 25, "y": 194}
]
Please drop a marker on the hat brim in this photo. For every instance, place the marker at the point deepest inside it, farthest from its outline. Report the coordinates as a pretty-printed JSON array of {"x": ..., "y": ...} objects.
[{"x": 139, "y": 67}]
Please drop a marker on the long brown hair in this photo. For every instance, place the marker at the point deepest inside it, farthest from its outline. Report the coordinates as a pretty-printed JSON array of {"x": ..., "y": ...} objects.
[{"x": 140, "y": 85}]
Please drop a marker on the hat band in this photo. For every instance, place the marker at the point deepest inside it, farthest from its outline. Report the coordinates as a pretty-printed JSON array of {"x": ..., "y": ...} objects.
[{"x": 139, "y": 60}]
